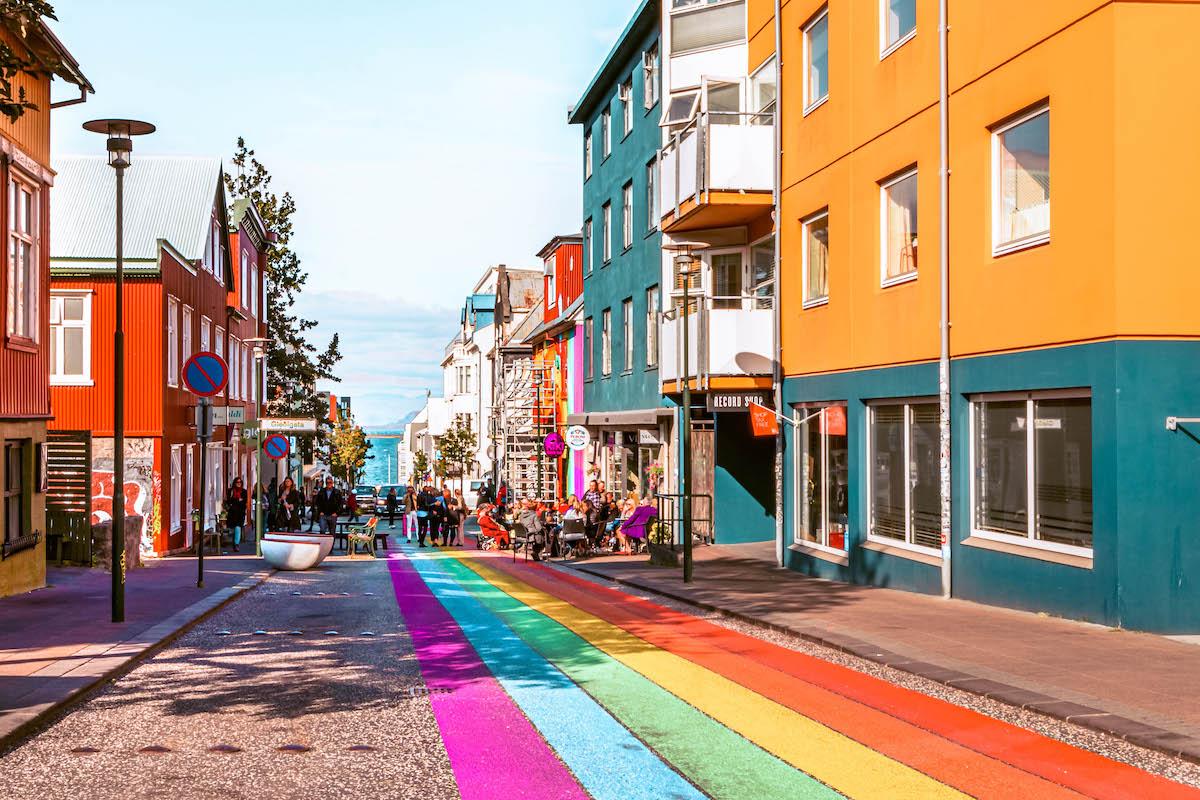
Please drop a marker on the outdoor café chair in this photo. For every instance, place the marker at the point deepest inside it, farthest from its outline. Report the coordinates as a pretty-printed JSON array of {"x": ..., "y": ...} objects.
[
  {"x": 361, "y": 534},
  {"x": 573, "y": 536}
]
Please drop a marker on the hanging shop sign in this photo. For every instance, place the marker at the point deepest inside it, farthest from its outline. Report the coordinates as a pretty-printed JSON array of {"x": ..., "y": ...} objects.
[
  {"x": 554, "y": 444},
  {"x": 578, "y": 437},
  {"x": 737, "y": 401},
  {"x": 763, "y": 421}
]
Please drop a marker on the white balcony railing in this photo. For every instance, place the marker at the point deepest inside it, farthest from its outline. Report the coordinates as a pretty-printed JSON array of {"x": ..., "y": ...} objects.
[
  {"x": 721, "y": 341},
  {"x": 718, "y": 151}
]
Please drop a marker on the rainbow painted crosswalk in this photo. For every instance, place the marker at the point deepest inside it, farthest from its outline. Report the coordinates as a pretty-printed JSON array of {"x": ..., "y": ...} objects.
[{"x": 546, "y": 686}]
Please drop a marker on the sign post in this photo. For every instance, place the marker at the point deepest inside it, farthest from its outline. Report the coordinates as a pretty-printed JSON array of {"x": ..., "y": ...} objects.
[{"x": 204, "y": 375}]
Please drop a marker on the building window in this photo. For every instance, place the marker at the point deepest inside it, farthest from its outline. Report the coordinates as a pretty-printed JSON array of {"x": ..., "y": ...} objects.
[
  {"x": 606, "y": 233},
  {"x": 650, "y": 73},
  {"x": 816, "y": 259},
  {"x": 23, "y": 262},
  {"x": 205, "y": 334},
  {"x": 254, "y": 292},
  {"x": 606, "y": 342},
  {"x": 763, "y": 91},
  {"x": 605, "y": 132},
  {"x": 692, "y": 281},
  {"x": 1021, "y": 177},
  {"x": 587, "y": 155},
  {"x": 699, "y": 25},
  {"x": 187, "y": 334},
  {"x": 898, "y": 228},
  {"x": 587, "y": 247},
  {"x": 905, "y": 460},
  {"x": 245, "y": 279},
  {"x": 235, "y": 368},
  {"x": 249, "y": 385},
  {"x": 727, "y": 280},
  {"x": 172, "y": 341},
  {"x": 821, "y": 468},
  {"x": 219, "y": 349},
  {"x": 70, "y": 338},
  {"x": 652, "y": 212},
  {"x": 627, "y": 333},
  {"x": 1033, "y": 481},
  {"x": 762, "y": 274},
  {"x": 652, "y": 327},
  {"x": 189, "y": 481},
  {"x": 16, "y": 500},
  {"x": 627, "y": 215},
  {"x": 625, "y": 95},
  {"x": 589, "y": 348},
  {"x": 816, "y": 61},
  {"x": 898, "y": 23}
]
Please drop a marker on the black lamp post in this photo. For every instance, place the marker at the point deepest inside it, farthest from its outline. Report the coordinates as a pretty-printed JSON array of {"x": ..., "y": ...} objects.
[{"x": 120, "y": 133}]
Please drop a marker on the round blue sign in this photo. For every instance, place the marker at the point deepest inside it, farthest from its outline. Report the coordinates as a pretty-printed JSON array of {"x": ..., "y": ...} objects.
[
  {"x": 276, "y": 447},
  {"x": 205, "y": 374}
]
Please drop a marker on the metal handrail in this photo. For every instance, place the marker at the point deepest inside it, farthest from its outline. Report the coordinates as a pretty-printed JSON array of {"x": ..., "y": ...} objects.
[{"x": 676, "y": 522}]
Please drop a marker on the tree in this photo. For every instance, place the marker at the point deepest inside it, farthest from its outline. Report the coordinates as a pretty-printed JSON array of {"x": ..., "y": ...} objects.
[
  {"x": 294, "y": 365},
  {"x": 23, "y": 12},
  {"x": 420, "y": 466},
  {"x": 458, "y": 446},
  {"x": 349, "y": 450}
]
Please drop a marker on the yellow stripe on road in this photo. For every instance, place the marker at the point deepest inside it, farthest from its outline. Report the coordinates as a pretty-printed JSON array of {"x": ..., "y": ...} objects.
[{"x": 848, "y": 766}]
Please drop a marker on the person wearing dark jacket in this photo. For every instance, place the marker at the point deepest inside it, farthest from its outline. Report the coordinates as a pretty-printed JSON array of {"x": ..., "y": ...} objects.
[
  {"x": 391, "y": 503},
  {"x": 236, "y": 500},
  {"x": 426, "y": 509},
  {"x": 326, "y": 506},
  {"x": 287, "y": 512}
]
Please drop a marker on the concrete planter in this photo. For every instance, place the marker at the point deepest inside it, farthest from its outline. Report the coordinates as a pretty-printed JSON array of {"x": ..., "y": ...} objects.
[
  {"x": 663, "y": 556},
  {"x": 102, "y": 544}
]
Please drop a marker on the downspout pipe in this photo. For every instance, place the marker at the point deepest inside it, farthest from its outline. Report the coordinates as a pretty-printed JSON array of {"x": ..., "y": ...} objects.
[
  {"x": 944, "y": 286},
  {"x": 777, "y": 343}
]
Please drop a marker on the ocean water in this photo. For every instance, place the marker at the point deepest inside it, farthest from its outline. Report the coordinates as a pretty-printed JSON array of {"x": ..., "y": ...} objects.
[{"x": 382, "y": 467}]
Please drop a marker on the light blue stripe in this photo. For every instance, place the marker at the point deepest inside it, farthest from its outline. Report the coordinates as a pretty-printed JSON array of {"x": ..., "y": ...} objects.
[{"x": 608, "y": 760}]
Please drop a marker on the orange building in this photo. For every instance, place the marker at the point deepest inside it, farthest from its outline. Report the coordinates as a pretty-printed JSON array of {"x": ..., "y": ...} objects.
[{"x": 1072, "y": 340}]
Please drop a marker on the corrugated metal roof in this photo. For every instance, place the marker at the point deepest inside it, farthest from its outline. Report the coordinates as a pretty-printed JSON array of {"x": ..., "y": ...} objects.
[{"x": 166, "y": 197}]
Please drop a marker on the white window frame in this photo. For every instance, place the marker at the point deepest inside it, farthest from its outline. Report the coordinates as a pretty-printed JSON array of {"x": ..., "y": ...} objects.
[
  {"x": 1030, "y": 539},
  {"x": 907, "y": 543},
  {"x": 235, "y": 368},
  {"x": 606, "y": 231},
  {"x": 802, "y": 413},
  {"x": 652, "y": 213},
  {"x": 189, "y": 472},
  {"x": 606, "y": 342},
  {"x": 186, "y": 338},
  {"x": 652, "y": 301},
  {"x": 172, "y": 341},
  {"x": 812, "y": 302},
  {"x": 587, "y": 154},
  {"x": 588, "y": 243},
  {"x": 625, "y": 95},
  {"x": 219, "y": 349},
  {"x": 627, "y": 216},
  {"x": 176, "y": 518},
  {"x": 886, "y": 48},
  {"x": 1002, "y": 248},
  {"x": 811, "y": 104},
  {"x": 605, "y": 133},
  {"x": 651, "y": 89},
  {"x": 751, "y": 288},
  {"x": 206, "y": 329},
  {"x": 710, "y": 277},
  {"x": 24, "y": 325},
  {"x": 884, "y": 186},
  {"x": 57, "y": 376},
  {"x": 245, "y": 293},
  {"x": 589, "y": 346},
  {"x": 627, "y": 335}
]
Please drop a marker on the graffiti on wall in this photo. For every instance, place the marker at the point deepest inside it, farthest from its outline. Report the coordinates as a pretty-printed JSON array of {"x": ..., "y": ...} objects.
[{"x": 140, "y": 493}]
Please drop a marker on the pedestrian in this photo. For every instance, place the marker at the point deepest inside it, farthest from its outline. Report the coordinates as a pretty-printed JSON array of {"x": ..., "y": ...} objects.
[
  {"x": 312, "y": 511},
  {"x": 460, "y": 503},
  {"x": 236, "y": 500},
  {"x": 593, "y": 495},
  {"x": 326, "y": 507},
  {"x": 410, "y": 513},
  {"x": 425, "y": 503},
  {"x": 287, "y": 514},
  {"x": 352, "y": 506},
  {"x": 487, "y": 495},
  {"x": 391, "y": 502}
]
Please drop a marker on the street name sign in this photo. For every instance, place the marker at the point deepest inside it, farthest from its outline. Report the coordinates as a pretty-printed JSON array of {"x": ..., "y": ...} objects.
[{"x": 287, "y": 425}]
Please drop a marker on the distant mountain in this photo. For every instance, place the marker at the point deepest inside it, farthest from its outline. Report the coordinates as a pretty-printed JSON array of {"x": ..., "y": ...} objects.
[{"x": 398, "y": 425}]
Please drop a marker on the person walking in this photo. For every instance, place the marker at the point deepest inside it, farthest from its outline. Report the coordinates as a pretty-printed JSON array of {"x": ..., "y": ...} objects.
[
  {"x": 460, "y": 504},
  {"x": 312, "y": 509},
  {"x": 326, "y": 507},
  {"x": 425, "y": 505},
  {"x": 352, "y": 506},
  {"x": 236, "y": 500},
  {"x": 287, "y": 515},
  {"x": 410, "y": 513},
  {"x": 391, "y": 502}
]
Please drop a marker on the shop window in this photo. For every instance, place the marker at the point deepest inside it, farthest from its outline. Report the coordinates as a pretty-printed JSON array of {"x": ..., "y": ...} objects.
[
  {"x": 904, "y": 458},
  {"x": 898, "y": 228},
  {"x": 1021, "y": 180},
  {"x": 821, "y": 474},
  {"x": 816, "y": 61},
  {"x": 1033, "y": 481}
]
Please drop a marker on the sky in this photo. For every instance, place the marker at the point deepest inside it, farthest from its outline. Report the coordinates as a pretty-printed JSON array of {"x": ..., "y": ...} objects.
[{"x": 423, "y": 142}]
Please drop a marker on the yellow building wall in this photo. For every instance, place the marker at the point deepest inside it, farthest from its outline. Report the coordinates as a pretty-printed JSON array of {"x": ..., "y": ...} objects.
[
  {"x": 26, "y": 570},
  {"x": 1123, "y": 168}
]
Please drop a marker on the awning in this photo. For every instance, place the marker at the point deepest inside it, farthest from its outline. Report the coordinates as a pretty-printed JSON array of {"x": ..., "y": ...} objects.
[{"x": 645, "y": 417}]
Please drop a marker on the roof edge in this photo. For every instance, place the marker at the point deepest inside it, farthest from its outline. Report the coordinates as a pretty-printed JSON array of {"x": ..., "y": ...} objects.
[{"x": 640, "y": 19}]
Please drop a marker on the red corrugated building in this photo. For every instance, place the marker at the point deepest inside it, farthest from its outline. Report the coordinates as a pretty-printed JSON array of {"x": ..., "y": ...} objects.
[
  {"x": 194, "y": 281},
  {"x": 25, "y": 350}
]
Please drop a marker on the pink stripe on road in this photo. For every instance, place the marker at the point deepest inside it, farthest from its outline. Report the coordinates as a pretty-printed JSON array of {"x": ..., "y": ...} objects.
[{"x": 495, "y": 752}]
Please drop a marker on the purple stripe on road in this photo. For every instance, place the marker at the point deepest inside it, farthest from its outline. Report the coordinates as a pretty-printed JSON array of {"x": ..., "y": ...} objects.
[{"x": 495, "y": 752}]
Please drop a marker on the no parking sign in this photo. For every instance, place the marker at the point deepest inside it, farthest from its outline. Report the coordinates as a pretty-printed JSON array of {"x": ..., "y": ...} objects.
[
  {"x": 277, "y": 447},
  {"x": 205, "y": 374}
]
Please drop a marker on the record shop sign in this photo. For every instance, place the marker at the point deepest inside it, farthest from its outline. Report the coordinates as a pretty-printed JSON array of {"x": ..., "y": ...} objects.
[{"x": 737, "y": 401}]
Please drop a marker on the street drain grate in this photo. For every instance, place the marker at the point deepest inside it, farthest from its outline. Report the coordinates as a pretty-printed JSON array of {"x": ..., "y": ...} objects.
[
  {"x": 84, "y": 751},
  {"x": 155, "y": 749},
  {"x": 423, "y": 691},
  {"x": 294, "y": 748},
  {"x": 224, "y": 748}
]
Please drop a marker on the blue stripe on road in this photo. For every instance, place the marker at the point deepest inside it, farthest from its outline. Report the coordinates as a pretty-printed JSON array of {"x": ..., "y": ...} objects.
[{"x": 608, "y": 760}]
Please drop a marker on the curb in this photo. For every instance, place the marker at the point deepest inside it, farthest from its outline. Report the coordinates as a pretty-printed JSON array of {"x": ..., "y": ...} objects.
[
  {"x": 105, "y": 661},
  {"x": 1137, "y": 733}
]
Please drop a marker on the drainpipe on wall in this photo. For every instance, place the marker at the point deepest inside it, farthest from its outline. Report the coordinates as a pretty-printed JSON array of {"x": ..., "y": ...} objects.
[
  {"x": 944, "y": 278},
  {"x": 777, "y": 343}
]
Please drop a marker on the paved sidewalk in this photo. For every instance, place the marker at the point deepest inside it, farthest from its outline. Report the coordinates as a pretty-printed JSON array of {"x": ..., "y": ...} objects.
[
  {"x": 57, "y": 642},
  {"x": 1140, "y": 687}
]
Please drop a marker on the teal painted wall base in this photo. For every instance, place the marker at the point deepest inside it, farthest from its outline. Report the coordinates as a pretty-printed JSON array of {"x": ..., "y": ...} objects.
[
  {"x": 1145, "y": 570},
  {"x": 743, "y": 482}
]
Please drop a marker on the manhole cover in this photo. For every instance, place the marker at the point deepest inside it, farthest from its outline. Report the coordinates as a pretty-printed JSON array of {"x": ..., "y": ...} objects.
[
  {"x": 224, "y": 748},
  {"x": 294, "y": 748}
]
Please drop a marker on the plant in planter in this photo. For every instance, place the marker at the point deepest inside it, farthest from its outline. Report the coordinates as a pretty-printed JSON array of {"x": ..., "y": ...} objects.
[{"x": 658, "y": 541}]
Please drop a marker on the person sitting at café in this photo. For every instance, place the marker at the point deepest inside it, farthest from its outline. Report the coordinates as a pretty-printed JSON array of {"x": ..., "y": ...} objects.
[
  {"x": 627, "y": 508},
  {"x": 635, "y": 527},
  {"x": 531, "y": 519}
]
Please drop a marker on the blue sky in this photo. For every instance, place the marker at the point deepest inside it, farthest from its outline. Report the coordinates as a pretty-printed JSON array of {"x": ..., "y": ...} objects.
[{"x": 422, "y": 141}]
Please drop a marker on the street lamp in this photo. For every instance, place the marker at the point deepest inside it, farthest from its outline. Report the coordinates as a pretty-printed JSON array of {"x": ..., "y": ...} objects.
[
  {"x": 120, "y": 133},
  {"x": 259, "y": 344},
  {"x": 686, "y": 266}
]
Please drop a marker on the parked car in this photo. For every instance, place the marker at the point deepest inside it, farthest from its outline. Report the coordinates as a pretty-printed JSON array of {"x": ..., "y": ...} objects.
[
  {"x": 381, "y": 496},
  {"x": 365, "y": 495}
]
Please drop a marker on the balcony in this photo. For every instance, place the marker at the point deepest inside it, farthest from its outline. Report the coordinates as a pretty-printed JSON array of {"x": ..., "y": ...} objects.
[
  {"x": 728, "y": 337},
  {"x": 718, "y": 171}
]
